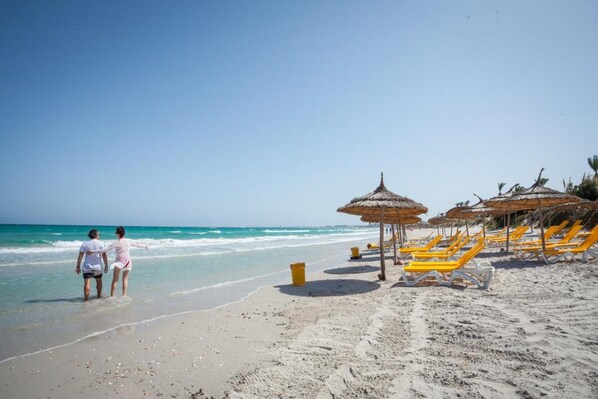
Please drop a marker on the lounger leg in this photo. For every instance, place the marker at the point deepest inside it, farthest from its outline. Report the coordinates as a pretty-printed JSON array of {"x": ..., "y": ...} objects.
[{"x": 480, "y": 278}]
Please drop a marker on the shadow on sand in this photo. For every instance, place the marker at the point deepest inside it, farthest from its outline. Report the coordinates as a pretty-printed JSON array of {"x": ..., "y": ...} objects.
[
  {"x": 321, "y": 288},
  {"x": 371, "y": 258},
  {"x": 352, "y": 270},
  {"x": 515, "y": 263}
]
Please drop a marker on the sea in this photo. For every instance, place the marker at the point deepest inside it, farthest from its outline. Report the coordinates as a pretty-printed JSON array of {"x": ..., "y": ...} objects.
[{"x": 184, "y": 269}]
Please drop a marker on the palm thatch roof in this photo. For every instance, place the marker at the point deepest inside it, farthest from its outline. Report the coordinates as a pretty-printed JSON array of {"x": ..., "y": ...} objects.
[
  {"x": 381, "y": 200},
  {"x": 392, "y": 220},
  {"x": 534, "y": 197},
  {"x": 439, "y": 220},
  {"x": 583, "y": 204},
  {"x": 480, "y": 210},
  {"x": 455, "y": 212}
]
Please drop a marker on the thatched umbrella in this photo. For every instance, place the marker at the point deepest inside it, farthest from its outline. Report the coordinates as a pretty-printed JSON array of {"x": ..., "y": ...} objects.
[
  {"x": 456, "y": 213},
  {"x": 500, "y": 199},
  {"x": 480, "y": 210},
  {"x": 535, "y": 197},
  {"x": 389, "y": 220},
  {"x": 582, "y": 204},
  {"x": 439, "y": 221},
  {"x": 381, "y": 204}
]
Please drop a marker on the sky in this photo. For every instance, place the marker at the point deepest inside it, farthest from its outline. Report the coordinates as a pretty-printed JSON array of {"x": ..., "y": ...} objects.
[{"x": 275, "y": 113}]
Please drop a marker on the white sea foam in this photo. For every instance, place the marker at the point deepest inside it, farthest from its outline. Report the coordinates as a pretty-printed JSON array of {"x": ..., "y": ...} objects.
[
  {"x": 243, "y": 243},
  {"x": 285, "y": 231}
]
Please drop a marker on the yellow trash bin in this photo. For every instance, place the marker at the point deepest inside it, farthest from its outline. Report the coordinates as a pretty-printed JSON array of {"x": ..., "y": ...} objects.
[
  {"x": 355, "y": 253},
  {"x": 298, "y": 273}
]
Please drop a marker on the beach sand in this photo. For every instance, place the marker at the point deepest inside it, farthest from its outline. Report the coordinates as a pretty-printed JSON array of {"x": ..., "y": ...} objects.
[{"x": 532, "y": 334}]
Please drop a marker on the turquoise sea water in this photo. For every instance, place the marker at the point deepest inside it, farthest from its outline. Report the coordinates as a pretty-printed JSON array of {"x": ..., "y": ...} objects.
[{"x": 184, "y": 269}]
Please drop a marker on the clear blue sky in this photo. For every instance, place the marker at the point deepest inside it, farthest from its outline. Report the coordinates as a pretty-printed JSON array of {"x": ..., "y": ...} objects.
[{"x": 278, "y": 112}]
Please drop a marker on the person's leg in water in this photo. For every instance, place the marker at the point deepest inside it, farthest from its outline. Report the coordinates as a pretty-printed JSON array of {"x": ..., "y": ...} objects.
[
  {"x": 115, "y": 275},
  {"x": 86, "y": 288},
  {"x": 99, "y": 286},
  {"x": 125, "y": 282}
]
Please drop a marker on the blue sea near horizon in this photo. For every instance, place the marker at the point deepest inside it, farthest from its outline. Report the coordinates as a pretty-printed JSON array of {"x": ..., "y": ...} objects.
[{"x": 184, "y": 269}]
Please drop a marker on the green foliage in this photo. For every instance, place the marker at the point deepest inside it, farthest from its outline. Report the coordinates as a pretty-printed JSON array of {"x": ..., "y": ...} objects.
[
  {"x": 587, "y": 189},
  {"x": 543, "y": 181},
  {"x": 568, "y": 186},
  {"x": 500, "y": 187},
  {"x": 517, "y": 188},
  {"x": 593, "y": 162}
]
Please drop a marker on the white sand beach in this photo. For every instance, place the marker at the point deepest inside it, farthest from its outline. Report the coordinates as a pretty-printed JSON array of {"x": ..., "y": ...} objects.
[{"x": 532, "y": 334}]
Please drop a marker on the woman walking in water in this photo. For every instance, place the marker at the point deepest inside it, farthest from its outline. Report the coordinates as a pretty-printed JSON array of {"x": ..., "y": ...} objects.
[{"x": 123, "y": 259}]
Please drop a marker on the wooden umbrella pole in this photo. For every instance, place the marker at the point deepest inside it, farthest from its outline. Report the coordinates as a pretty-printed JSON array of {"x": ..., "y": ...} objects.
[
  {"x": 382, "y": 275},
  {"x": 404, "y": 227},
  {"x": 400, "y": 235},
  {"x": 394, "y": 243},
  {"x": 484, "y": 228},
  {"x": 508, "y": 228},
  {"x": 541, "y": 227},
  {"x": 467, "y": 227}
]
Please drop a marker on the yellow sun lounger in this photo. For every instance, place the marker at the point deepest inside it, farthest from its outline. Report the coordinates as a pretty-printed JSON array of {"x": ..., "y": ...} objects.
[
  {"x": 548, "y": 233},
  {"x": 372, "y": 246},
  {"x": 426, "y": 247},
  {"x": 517, "y": 234},
  {"x": 499, "y": 234},
  {"x": 534, "y": 251},
  {"x": 465, "y": 268},
  {"x": 444, "y": 254},
  {"x": 556, "y": 254}
]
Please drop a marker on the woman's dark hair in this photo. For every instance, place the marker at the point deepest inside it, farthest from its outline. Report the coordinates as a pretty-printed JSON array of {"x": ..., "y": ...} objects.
[
  {"x": 93, "y": 233},
  {"x": 120, "y": 231}
]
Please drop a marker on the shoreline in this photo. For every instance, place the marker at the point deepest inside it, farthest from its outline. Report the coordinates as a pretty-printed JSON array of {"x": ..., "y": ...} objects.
[
  {"x": 162, "y": 287},
  {"x": 345, "y": 334}
]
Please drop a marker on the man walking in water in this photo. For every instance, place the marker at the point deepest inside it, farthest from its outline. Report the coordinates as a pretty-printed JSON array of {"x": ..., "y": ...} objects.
[{"x": 92, "y": 266}]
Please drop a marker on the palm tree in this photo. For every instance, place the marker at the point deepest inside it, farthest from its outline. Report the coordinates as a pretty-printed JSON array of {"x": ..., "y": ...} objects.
[
  {"x": 593, "y": 162},
  {"x": 517, "y": 187},
  {"x": 543, "y": 181},
  {"x": 500, "y": 187}
]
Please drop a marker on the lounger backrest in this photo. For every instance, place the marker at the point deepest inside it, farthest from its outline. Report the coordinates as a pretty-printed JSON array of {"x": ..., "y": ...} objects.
[
  {"x": 563, "y": 224},
  {"x": 520, "y": 232},
  {"x": 570, "y": 234},
  {"x": 473, "y": 251},
  {"x": 454, "y": 244},
  {"x": 550, "y": 231},
  {"x": 433, "y": 242},
  {"x": 589, "y": 241},
  {"x": 458, "y": 247}
]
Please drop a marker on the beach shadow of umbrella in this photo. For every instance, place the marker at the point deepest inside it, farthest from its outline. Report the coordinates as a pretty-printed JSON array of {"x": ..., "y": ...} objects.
[
  {"x": 500, "y": 254},
  {"x": 518, "y": 264},
  {"x": 370, "y": 258},
  {"x": 352, "y": 270},
  {"x": 322, "y": 288}
]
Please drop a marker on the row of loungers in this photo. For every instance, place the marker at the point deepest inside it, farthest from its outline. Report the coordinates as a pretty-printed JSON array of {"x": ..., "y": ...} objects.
[{"x": 443, "y": 265}]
